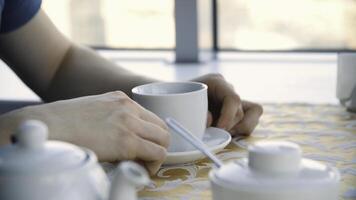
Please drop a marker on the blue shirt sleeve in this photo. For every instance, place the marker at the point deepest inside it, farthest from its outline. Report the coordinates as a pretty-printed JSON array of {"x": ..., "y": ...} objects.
[{"x": 16, "y": 13}]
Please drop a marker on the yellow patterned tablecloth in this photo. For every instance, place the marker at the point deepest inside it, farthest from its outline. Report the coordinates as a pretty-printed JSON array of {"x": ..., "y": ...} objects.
[{"x": 326, "y": 133}]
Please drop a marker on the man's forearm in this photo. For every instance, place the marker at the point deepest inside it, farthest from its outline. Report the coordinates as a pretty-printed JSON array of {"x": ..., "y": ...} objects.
[
  {"x": 55, "y": 68},
  {"x": 84, "y": 72}
]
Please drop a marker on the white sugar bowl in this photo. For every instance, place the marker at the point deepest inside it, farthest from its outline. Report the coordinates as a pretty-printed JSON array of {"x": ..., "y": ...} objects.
[{"x": 274, "y": 170}]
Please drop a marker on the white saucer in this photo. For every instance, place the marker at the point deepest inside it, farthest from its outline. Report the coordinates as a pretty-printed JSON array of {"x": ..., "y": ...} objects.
[{"x": 216, "y": 139}]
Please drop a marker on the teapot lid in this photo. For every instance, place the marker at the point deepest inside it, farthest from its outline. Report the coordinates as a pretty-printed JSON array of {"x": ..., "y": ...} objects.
[
  {"x": 275, "y": 164},
  {"x": 30, "y": 152}
]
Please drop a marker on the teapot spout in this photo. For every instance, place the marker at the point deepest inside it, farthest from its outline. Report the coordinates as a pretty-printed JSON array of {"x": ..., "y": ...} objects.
[{"x": 128, "y": 177}]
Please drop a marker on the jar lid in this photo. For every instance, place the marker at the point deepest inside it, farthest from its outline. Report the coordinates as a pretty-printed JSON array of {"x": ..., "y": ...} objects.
[
  {"x": 31, "y": 153},
  {"x": 275, "y": 165}
]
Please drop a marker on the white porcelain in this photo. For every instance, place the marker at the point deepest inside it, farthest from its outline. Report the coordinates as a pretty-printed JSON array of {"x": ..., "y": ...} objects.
[
  {"x": 216, "y": 139},
  {"x": 187, "y": 102},
  {"x": 275, "y": 171},
  {"x": 127, "y": 178},
  {"x": 33, "y": 168},
  {"x": 346, "y": 79}
]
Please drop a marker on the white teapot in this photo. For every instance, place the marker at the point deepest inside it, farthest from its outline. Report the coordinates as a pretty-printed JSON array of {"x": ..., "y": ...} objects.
[
  {"x": 274, "y": 170},
  {"x": 35, "y": 169}
]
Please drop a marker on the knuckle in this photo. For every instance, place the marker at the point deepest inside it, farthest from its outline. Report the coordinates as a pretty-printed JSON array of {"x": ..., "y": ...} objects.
[
  {"x": 118, "y": 94},
  {"x": 119, "y": 98},
  {"x": 125, "y": 100},
  {"x": 163, "y": 125},
  {"x": 216, "y": 76},
  {"x": 239, "y": 115},
  {"x": 236, "y": 98},
  {"x": 165, "y": 139},
  {"x": 126, "y": 118},
  {"x": 161, "y": 154},
  {"x": 259, "y": 109}
]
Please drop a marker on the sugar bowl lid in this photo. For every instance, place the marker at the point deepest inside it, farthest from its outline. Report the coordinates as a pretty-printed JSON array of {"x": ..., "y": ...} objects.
[
  {"x": 31, "y": 153},
  {"x": 276, "y": 165}
]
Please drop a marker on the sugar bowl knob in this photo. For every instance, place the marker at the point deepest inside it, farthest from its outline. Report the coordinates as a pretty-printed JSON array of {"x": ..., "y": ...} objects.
[
  {"x": 31, "y": 134},
  {"x": 274, "y": 157}
]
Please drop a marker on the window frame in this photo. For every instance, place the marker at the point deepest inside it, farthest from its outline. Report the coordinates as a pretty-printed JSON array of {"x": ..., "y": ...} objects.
[{"x": 215, "y": 42}]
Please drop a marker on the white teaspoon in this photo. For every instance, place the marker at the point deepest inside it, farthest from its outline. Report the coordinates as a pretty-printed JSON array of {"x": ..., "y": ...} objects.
[{"x": 192, "y": 139}]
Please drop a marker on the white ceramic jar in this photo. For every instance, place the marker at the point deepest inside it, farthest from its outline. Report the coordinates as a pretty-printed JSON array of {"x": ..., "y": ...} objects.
[
  {"x": 275, "y": 170},
  {"x": 33, "y": 168}
]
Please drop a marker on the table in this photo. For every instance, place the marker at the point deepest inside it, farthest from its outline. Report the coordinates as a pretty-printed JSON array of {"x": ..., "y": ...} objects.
[{"x": 326, "y": 133}]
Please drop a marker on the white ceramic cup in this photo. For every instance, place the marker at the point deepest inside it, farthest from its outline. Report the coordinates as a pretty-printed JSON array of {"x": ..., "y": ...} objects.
[
  {"x": 187, "y": 102},
  {"x": 346, "y": 79}
]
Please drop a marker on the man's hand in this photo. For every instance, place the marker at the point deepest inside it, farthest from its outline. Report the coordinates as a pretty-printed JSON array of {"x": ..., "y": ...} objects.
[
  {"x": 112, "y": 125},
  {"x": 226, "y": 109}
]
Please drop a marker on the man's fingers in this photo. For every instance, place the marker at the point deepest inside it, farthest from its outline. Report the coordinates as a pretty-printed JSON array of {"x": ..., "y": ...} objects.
[
  {"x": 251, "y": 117},
  {"x": 248, "y": 105},
  {"x": 151, "y": 117},
  {"x": 151, "y": 132},
  {"x": 151, "y": 154},
  {"x": 231, "y": 112}
]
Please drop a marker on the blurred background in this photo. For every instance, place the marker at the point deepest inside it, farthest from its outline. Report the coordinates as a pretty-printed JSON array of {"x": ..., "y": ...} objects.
[
  {"x": 242, "y": 24},
  {"x": 280, "y": 51}
]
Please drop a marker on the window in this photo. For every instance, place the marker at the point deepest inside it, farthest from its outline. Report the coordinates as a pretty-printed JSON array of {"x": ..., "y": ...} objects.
[
  {"x": 242, "y": 24},
  {"x": 115, "y": 23},
  {"x": 286, "y": 24}
]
